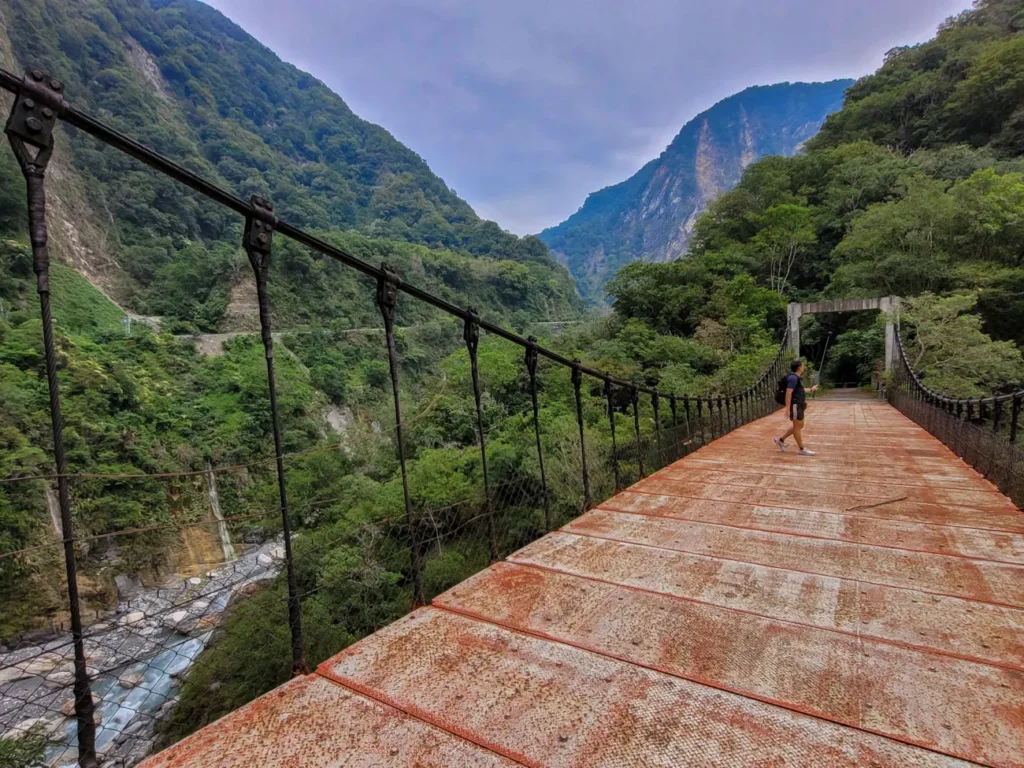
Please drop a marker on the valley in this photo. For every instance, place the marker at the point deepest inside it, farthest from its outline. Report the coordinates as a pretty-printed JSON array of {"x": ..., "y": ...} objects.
[
  {"x": 652, "y": 215},
  {"x": 914, "y": 186}
]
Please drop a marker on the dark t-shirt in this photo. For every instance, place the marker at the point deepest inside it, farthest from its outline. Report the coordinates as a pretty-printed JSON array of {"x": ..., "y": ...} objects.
[{"x": 795, "y": 383}]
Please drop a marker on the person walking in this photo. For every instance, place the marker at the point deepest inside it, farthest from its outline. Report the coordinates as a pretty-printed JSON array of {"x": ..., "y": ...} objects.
[{"x": 796, "y": 406}]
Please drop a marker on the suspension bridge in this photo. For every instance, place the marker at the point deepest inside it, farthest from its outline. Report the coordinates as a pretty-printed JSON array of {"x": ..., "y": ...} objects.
[
  {"x": 739, "y": 607},
  {"x": 710, "y": 601}
]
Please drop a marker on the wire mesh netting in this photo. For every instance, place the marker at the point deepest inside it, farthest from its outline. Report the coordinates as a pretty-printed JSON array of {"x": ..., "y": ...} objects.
[
  {"x": 981, "y": 431},
  {"x": 169, "y": 642},
  {"x": 156, "y": 601}
]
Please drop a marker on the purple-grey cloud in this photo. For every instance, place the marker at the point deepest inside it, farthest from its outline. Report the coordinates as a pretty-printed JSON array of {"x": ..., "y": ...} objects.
[{"x": 526, "y": 106}]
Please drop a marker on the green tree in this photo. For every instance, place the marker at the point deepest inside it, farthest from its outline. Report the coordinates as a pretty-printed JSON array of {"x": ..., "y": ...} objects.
[
  {"x": 991, "y": 92},
  {"x": 947, "y": 348},
  {"x": 991, "y": 216},
  {"x": 902, "y": 248},
  {"x": 785, "y": 232}
]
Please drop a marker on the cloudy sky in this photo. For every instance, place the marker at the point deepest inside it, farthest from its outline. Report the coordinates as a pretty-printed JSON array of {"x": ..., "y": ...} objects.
[{"x": 526, "y": 106}]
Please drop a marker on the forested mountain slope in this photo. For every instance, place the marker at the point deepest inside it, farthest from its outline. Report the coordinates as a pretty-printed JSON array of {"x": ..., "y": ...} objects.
[
  {"x": 915, "y": 188},
  {"x": 180, "y": 77},
  {"x": 651, "y": 215}
]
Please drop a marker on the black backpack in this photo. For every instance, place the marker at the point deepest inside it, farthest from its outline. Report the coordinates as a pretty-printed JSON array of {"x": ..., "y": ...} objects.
[{"x": 780, "y": 390}]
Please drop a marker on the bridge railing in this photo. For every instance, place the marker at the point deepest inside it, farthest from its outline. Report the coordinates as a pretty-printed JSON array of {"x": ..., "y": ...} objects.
[
  {"x": 983, "y": 431},
  {"x": 104, "y": 676}
]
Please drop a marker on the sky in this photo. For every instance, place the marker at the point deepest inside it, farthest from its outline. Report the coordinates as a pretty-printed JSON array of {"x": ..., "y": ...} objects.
[{"x": 524, "y": 107}]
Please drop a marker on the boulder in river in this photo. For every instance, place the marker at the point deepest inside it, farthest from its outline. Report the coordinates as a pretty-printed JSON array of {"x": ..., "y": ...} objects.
[
  {"x": 43, "y": 663},
  {"x": 199, "y": 607},
  {"x": 131, "y": 680},
  {"x": 62, "y": 675},
  {"x": 47, "y": 725},
  {"x": 12, "y": 674},
  {"x": 68, "y": 707},
  {"x": 172, "y": 620},
  {"x": 133, "y": 618}
]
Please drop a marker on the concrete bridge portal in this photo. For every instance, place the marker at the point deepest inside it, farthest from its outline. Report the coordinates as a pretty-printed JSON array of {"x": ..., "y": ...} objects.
[{"x": 887, "y": 304}]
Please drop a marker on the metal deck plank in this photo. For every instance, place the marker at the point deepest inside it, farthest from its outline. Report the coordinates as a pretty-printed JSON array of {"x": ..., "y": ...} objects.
[
  {"x": 550, "y": 704},
  {"x": 966, "y": 629},
  {"x": 873, "y": 487},
  {"x": 958, "y": 707},
  {"x": 793, "y": 465},
  {"x": 312, "y": 722},
  {"x": 983, "y": 580},
  {"x": 1009, "y": 521},
  {"x": 859, "y": 529}
]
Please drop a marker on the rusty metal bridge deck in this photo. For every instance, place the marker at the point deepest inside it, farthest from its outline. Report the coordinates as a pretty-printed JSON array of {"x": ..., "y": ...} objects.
[{"x": 864, "y": 607}]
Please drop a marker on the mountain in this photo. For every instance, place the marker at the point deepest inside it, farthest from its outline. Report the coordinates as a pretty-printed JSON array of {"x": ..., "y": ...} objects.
[
  {"x": 651, "y": 215},
  {"x": 179, "y": 76}
]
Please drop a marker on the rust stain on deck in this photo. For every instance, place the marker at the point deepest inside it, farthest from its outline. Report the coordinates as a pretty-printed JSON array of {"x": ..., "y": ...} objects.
[{"x": 740, "y": 608}]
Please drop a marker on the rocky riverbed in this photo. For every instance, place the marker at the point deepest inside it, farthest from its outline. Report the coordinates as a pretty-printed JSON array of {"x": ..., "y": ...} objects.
[{"x": 136, "y": 654}]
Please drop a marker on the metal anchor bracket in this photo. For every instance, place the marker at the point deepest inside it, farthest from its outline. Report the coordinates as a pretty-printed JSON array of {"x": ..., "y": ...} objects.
[{"x": 34, "y": 114}]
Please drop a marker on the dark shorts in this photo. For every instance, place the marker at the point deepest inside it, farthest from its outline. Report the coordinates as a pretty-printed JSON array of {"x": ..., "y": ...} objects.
[{"x": 798, "y": 411}]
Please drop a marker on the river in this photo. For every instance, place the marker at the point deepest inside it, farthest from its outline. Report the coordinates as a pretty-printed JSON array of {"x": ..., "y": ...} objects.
[{"x": 136, "y": 655}]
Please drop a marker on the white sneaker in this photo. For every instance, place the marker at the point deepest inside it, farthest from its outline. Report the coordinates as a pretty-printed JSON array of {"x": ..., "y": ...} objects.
[
  {"x": 807, "y": 452},
  {"x": 781, "y": 445}
]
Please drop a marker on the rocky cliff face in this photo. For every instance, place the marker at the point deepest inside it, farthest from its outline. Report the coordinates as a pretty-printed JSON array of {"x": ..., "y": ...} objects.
[{"x": 651, "y": 215}]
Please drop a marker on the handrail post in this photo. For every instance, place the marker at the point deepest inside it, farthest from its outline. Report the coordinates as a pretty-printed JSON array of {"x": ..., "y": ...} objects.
[
  {"x": 655, "y": 402},
  {"x": 700, "y": 420},
  {"x": 609, "y": 393},
  {"x": 1014, "y": 417},
  {"x": 531, "y": 368},
  {"x": 387, "y": 302},
  {"x": 471, "y": 335},
  {"x": 30, "y": 125},
  {"x": 636, "y": 429},
  {"x": 577, "y": 384},
  {"x": 686, "y": 413},
  {"x": 257, "y": 241},
  {"x": 674, "y": 408},
  {"x": 997, "y": 415}
]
